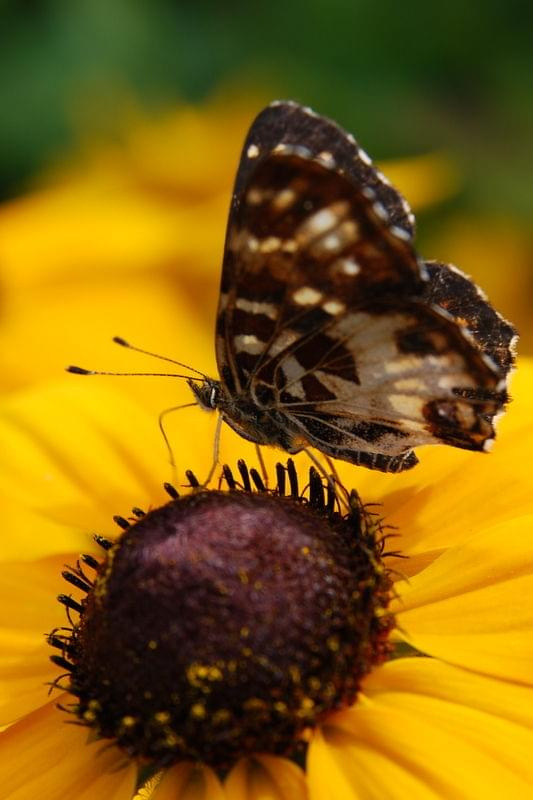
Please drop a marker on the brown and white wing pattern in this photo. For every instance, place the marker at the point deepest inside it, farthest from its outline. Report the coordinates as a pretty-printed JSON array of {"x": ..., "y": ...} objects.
[
  {"x": 296, "y": 209},
  {"x": 331, "y": 332}
]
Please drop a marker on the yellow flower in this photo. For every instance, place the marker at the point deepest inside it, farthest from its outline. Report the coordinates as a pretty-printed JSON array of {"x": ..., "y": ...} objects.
[
  {"x": 455, "y": 721},
  {"x": 97, "y": 247}
]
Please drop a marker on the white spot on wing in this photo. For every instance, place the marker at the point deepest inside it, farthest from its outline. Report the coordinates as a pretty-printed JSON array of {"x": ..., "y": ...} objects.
[
  {"x": 365, "y": 158},
  {"x": 407, "y": 405},
  {"x": 400, "y": 233},
  {"x": 307, "y": 296},
  {"x": 293, "y": 371},
  {"x": 284, "y": 339},
  {"x": 322, "y": 221},
  {"x": 253, "y": 151},
  {"x": 284, "y": 199},
  {"x": 289, "y": 246},
  {"x": 254, "y": 197},
  {"x": 344, "y": 234},
  {"x": 383, "y": 178},
  {"x": 331, "y": 243},
  {"x": 326, "y": 158},
  {"x": 270, "y": 244},
  {"x": 402, "y": 365},
  {"x": 409, "y": 385},
  {"x": 380, "y": 211},
  {"x": 255, "y": 307},
  {"x": 348, "y": 266},
  {"x": 333, "y": 307},
  {"x": 248, "y": 343}
]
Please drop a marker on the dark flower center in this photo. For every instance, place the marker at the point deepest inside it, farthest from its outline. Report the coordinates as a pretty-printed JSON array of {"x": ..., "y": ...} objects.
[{"x": 227, "y": 623}]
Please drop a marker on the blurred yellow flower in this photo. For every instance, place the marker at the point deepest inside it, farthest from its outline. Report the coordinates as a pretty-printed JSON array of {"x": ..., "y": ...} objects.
[
  {"x": 100, "y": 248},
  {"x": 455, "y": 722}
]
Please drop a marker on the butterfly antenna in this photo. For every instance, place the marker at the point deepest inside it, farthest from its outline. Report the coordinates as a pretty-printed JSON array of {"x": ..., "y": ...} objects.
[
  {"x": 82, "y": 371},
  {"x": 123, "y": 343}
]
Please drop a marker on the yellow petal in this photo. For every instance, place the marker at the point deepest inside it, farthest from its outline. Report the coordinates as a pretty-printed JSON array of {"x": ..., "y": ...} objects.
[
  {"x": 428, "y": 744},
  {"x": 471, "y": 605},
  {"x": 25, "y": 684},
  {"x": 27, "y": 534},
  {"x": 80, "y": 453},
  {"x": 49, "y": 327},
  {"x": 43, "y": 757},
  {"x": 28, "y": 594},
  {"x": 188, "y": 781},
  {"x": 428, "y": 677},
  {"x": 339, "y": 769},
  {"x": 28, "y": 611},
  {"x": 265, "y": 777}
]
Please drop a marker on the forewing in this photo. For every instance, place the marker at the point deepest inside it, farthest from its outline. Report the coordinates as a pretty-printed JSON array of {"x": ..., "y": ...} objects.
[
  {"x": 304, "y": 230},
  {"x": 285, "y": 123}
]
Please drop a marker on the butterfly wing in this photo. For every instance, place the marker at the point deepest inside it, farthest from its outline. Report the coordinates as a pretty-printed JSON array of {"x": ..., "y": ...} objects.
[
  {"x": 301, "y": 217},
  {"x": 328, "y": 319}
]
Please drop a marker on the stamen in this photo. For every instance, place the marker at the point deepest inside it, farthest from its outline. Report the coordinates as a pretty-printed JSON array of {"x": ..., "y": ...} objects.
[
  {"x": 191, "y": 477},
  {"x": 106, "y": 544},
  {"x": 280, "y": 479},
  {"x": 228, "y": 477},
  {"x": 90, "y": 561},
  {"x": 293, "y": 478},
  {"x": 258, "y": 481},
  {"x": 62, "y": 662},
  {"x": 75, "y": 581},
  {"x": 69, "y": 602},
  {"x": 171, "y": 491},
  {"x": 243, "y": 470}
]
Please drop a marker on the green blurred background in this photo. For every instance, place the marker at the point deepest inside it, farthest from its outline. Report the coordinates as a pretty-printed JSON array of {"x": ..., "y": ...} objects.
[{"x": 405, "y": 77}]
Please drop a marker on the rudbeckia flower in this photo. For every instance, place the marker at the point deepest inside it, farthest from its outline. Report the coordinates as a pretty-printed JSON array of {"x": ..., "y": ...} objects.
[{"x": 419, "y": 648}]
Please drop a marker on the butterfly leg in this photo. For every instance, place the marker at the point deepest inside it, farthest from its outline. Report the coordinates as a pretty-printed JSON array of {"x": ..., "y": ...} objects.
[
  {"x": 262, "y": 465},
  {"x": 337, "y": 481},
  {"x": 216, "y": 451},
  {"x": 170, "y": 451}
]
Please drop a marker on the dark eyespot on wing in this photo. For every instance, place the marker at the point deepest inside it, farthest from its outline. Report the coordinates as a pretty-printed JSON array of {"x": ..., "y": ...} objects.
[{"x": 456, "y": 423}]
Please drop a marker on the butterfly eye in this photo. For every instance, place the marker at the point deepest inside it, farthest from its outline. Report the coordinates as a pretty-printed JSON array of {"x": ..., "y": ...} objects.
[{"x": 213, "y": 397}]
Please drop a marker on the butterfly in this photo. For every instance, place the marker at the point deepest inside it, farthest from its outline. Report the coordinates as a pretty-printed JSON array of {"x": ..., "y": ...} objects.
[{"x": 331, "y": 332}]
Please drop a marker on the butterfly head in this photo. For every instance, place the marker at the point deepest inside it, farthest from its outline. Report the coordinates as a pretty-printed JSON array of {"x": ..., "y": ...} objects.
[{"x": 207, "y": 393}]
